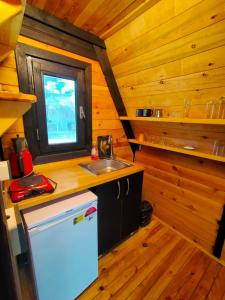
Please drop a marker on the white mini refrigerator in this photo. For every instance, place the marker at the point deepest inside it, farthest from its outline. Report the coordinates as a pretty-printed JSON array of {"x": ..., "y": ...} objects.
[{"x": 62, "y": 238}]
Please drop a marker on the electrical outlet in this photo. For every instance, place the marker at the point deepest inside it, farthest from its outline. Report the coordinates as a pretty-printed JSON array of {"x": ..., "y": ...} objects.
[{"x": 5, "y": 172}]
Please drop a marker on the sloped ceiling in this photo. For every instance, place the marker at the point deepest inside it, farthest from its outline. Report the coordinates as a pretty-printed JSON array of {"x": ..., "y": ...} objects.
[{"x": 101, "y": 17}]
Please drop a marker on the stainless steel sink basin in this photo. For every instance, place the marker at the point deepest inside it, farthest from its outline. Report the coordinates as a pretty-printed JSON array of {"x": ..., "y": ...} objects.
[{"x": 104, "y": 166}]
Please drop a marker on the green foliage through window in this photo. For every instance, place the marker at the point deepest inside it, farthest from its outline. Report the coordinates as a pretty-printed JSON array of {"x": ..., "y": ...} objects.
[{"x": 60, "y": 105}]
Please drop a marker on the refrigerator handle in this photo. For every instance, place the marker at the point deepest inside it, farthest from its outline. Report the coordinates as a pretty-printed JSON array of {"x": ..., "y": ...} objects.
[
  {"x": 52, "y": 223},
  {"x": 43, "y": 227}
]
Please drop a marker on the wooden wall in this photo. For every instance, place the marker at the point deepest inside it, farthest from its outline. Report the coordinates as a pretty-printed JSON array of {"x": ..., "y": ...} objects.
[
  {"x": 172, "y": 52},
  {"x": 105, "y": 117}
]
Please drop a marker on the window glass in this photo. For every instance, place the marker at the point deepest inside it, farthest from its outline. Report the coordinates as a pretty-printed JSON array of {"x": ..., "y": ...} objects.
[{"x": 60, "y": 106}]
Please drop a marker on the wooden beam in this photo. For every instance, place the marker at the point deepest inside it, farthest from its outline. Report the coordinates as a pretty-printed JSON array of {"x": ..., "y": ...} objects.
[
  {"x": 218, "y": 247},
  {"x": 44, "y": 33},
  {"x": 56, "y": 23},
  {"x": 123, "y": 18},
  {"x": 114, "y": 91},
  {"x": 53, "y": 31}
]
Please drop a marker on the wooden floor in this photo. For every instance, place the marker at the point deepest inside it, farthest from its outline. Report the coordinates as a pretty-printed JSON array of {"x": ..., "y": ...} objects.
[{"x": 156, "y": 263}]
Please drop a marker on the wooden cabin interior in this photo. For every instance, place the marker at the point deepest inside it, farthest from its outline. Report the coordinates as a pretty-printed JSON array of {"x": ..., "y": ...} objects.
[{"x": 141, "y": 84}]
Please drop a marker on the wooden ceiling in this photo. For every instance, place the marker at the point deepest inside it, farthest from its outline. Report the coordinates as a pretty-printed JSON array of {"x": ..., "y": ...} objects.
[{"x": 101, "y": 17}]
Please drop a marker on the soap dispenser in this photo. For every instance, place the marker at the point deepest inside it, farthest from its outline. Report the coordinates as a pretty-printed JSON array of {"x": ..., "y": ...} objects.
[{"x": 94, "y": 153}]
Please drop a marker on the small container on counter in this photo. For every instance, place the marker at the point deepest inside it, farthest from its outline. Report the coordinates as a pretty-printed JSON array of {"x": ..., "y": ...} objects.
[
  {"x": 148, "y": 112},
  {"x": 139, "y": 112},
  {"x": 141, "y": 137},
  {"x": 144, "y": 112},
  {"x": 94, "y": 152},
  {"x": 158, "y": 112}
]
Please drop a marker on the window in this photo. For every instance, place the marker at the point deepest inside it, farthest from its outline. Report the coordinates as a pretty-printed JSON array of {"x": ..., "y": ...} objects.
[
  {"x": 59, "y": 125},
  {"x": 60, "y": 109}
]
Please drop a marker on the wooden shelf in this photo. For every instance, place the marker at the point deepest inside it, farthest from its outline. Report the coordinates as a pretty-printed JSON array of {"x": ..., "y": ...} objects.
[
  {"x": 176, "y": 120},
  {"x": 180, "y": 150},
  {"x": 12, "y": 107},
  {"x": 20, "y": 97},
  {"x": 10, "y": 24},
  {"x": 10, "y": 10}
]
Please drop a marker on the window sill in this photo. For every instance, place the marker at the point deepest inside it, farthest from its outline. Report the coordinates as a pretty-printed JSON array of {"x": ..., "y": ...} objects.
[{"x": 48, "y": 158}]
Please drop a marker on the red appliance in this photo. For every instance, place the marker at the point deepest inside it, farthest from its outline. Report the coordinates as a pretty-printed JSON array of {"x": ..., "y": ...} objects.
[
  {"x": 20, "y": 159},
  {"x": 30, "y": 186}
]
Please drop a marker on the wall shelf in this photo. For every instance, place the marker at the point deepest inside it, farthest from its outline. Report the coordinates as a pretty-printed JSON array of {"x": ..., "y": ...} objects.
[
  {"x": 12, "y": 107},
  {"x": 176, "y": 120},
  {"x": 20, "y": 97},
  {"x": 179, "y": 150},
  {"x": 10, "y": 24}
]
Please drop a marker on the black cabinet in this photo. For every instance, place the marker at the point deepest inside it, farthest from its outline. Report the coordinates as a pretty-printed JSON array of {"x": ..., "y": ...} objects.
[
  {"x": 131, "y": 200},
  {"x": 118, "y": 210}
]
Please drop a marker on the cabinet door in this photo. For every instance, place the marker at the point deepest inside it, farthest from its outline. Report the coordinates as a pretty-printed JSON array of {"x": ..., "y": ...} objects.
[
  {"x": 109, "y": 215},
  {"x": 131, "y": 199}
]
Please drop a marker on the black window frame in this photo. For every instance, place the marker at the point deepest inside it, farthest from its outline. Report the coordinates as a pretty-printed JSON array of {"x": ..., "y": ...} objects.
[{"x": 26, "y": 57}]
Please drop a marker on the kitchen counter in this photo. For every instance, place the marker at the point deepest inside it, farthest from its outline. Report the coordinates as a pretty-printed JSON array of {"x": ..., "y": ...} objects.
[{"x": 71, "y": 178}]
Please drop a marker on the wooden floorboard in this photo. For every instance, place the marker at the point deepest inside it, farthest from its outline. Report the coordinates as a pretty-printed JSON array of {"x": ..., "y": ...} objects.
[{"x": 156, "y": 263}]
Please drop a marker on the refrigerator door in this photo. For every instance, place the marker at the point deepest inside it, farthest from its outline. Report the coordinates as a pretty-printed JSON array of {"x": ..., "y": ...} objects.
[{"x": 64, "y": 254}]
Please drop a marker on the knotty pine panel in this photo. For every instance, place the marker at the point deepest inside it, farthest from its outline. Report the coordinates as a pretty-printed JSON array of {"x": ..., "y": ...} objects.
[
  {"x": 104, "y": 114},
  {"x": 184, "y": 24},
  {"x": 159, "y": 60},
  {"x": 160, "y": 13},
  {"x": 197, "y": 42},
  {"x": 201, "y": 80},
  {"x": 206, "y": 61},
  {"x": 187, "y": 199}
]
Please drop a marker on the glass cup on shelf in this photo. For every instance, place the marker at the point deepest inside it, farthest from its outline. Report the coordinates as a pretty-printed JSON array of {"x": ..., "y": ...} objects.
[
  {"x": 187, "y": 108},
  {"x": 219, "y": 148},
  {"x": 221, "y": 108},
  {"x": 155, "y": 139},
  {"x": 209, "y": 109},
  {"x": 152, "y": 139},
  {"x": 215, "y": 109},
  {"x": 162, "y": 140},
  {"x": 176, "y": 114}
]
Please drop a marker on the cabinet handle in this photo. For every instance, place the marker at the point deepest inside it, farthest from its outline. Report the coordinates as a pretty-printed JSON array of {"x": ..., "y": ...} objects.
[
  {"x": 118, "y": 196},
  {"x": 128, "y": 186}
]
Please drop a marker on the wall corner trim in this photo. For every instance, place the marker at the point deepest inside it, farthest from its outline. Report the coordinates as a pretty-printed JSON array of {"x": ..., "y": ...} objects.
[{"x": 114, "y": 91}]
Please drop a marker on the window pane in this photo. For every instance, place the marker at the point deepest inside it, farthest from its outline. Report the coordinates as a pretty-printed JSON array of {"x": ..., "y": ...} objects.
[{"x": 60, "y": 109}]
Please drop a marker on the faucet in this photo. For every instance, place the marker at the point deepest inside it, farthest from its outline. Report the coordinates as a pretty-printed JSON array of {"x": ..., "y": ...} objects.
[
  {"x": 105, "y": 147},
  {"x": 110, "y": 142}
]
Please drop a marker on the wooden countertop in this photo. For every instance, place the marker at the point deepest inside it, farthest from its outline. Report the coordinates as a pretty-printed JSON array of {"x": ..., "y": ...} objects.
[{"x": 71, "y": 178}]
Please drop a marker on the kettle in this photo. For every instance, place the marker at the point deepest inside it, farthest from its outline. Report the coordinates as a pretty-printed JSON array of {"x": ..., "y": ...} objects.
[{"x": 20, "y": 159}]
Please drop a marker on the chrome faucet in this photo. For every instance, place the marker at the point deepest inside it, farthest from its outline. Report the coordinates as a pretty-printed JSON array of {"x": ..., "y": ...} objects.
[
  {"x": 105, "y": 147},
  {"x": 110, "y": 142}
]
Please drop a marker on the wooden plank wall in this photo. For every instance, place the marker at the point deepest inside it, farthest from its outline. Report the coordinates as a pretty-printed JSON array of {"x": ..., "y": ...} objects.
[
  {"x": 172, "y": 52},
  {"x": 105, "y": 118}
]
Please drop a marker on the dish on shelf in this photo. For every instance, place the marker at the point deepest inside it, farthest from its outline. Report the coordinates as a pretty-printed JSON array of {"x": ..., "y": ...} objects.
[{"x": 189, "y": 147}]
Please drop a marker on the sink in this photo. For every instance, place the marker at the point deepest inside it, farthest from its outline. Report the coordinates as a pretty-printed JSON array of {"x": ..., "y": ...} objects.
[{"x": 104, "y": 166}]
